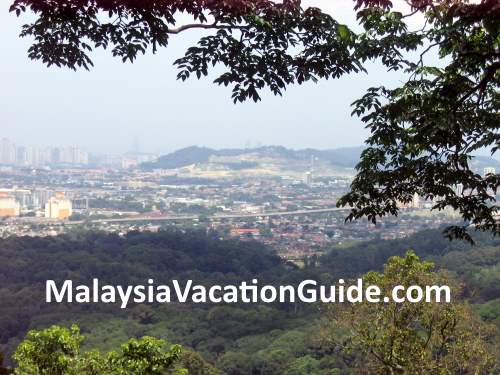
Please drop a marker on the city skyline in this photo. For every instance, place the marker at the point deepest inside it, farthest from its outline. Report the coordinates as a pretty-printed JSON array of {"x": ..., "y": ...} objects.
[
  {"x": 27, "y": 154},
  {"x": 154, "y": 113},
  {"x": 13, "y": 153}
]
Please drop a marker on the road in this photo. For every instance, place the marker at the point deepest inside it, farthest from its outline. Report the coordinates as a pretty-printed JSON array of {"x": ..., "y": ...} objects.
[{"x": 212, "y": 217}]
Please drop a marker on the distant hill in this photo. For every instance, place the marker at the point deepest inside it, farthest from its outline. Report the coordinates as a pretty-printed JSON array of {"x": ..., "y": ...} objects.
[
  {"x": 241, "y": 158},
  {"x": 252, "y": 158}
]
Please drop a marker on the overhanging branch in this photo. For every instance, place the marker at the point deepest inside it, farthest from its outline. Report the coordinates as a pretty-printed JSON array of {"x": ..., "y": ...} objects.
[{"x": 204, "y": 26}]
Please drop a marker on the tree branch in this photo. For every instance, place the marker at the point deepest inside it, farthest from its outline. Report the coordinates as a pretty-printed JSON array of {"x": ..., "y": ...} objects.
[
  {"x": 204, "y": 26},
  {"x": 489, "y": 74}
]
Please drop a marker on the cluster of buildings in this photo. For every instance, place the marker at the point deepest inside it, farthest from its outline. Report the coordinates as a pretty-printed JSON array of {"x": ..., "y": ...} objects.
[
  {"x": 487, "y": 171},
  {"x": 277, "y": 210},
  {"x": 33, "y": 156},
  {"x": 72, "y": 156},
  {"x": 418, "y": 202},
  {"x": 37, "y": 203},
  {"x": 121, "y": 200},
  {"x": 15, "y": 155}
]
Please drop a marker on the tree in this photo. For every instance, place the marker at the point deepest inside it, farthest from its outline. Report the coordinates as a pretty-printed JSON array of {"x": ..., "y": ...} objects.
[
  {"x": 423, "y": 134},
  {"x": 234, "y": 363},
  {"x": 412, "y": 338},
  {"x": 3, "y": 370},
  {"x": 195, "y": 364},
  {"x": 144, "y": 314},
  {"x": 53, "y": 351},
  {"x": 56, "y": 351},
  {"x": 303, "y": 366}
]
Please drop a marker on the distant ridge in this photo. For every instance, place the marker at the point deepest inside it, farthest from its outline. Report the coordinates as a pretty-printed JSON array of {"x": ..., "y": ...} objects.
[
  {"x": 342, "y": 157},
  {"x": 346, "y": 157}
]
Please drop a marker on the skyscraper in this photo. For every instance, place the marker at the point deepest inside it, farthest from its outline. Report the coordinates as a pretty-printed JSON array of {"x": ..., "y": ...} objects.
[{"x": 7, "y": 152}]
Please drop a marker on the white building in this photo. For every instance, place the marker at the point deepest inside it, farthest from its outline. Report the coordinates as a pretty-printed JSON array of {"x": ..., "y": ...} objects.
[
  {"x": 7, "y": 152},
  {"x": 58, "y": 207},
  {"x": 488, "y": 170},
  {"x": 309, "y": 178}
]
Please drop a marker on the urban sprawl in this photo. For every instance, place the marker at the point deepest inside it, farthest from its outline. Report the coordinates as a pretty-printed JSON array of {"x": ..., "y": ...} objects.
[{"x": 61, "y": 190}]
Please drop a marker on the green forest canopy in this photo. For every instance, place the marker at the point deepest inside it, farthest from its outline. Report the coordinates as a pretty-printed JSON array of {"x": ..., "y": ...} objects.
[{"x": 237, "y": 339}]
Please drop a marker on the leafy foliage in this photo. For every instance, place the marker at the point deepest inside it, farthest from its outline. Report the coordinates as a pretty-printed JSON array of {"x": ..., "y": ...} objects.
[
  {"x": 262, "y": 339},
  {"x": 209, "y": 329},
  {"x": 413, "y": 338},
  {"x": 56, "y": 351},
  {"x": 423, "y": 134},
  {"x": 254, "y": 39},
  {"x": 402, "y": 340}
]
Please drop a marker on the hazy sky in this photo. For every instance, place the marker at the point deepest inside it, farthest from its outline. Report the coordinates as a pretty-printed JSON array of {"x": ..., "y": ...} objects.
[{"x": 115, "y": 105}]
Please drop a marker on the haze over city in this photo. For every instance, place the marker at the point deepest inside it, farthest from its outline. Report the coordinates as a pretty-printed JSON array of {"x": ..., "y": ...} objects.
[{"x": 142, "y": 105}]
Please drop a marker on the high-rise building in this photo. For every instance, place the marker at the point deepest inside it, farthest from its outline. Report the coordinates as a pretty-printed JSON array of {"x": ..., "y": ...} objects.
[
  {"x": 40, "y": 197},
  {"x": 80, "y": 203},
  {"x": 23, "y": 197},
  {"x": 8, "y": 206},
  {"x": 7, "y": 152},
  {"x": 70, "y": 155},
  {"x": 58, "y": 207},
  {"x": 83, "y": 157},
  {"x": 28, "y": 156},
  {"x": 309, "y": 178},
  {"x": 31, "y": 156},
  {"x": 459, "y": 189},
  {"x": 46, "y": 156},
  {"x": 21, "y": 155},
  {"x": 55, "y": 156}
]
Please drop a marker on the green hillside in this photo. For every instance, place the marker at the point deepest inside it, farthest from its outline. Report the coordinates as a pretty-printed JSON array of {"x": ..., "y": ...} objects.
[{"x": 236, "y": 338}]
